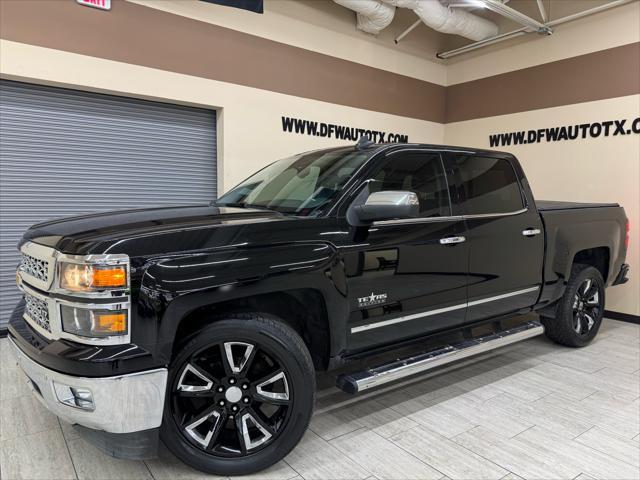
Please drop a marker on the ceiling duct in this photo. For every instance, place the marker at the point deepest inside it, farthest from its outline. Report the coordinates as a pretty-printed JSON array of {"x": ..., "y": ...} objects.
[
  {"x": 375, "y": 15},
  {"x": 449, "y": 20}
]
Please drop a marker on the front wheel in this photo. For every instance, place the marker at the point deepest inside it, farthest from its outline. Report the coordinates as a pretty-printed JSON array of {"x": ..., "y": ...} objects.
[
  {"x": 240, "y": 395},
  {"x": 579, "y": 312}
]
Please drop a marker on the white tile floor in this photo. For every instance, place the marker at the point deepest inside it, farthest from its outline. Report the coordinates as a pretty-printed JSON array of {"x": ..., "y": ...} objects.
[{"x": 534, "y": 410}]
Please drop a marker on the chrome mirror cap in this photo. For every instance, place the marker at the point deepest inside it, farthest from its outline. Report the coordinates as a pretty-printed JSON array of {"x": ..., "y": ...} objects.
[
  {"x": 392, "y": 197},
  {"x": 385, "y": 205}
]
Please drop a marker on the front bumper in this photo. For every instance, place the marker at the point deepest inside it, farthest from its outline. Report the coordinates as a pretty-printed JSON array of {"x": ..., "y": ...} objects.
[{"x": 121, "y": 404}]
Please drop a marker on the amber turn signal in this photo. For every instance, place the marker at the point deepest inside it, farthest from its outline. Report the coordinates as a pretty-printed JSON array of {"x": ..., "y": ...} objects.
[
  {"x": 82, "y": 278},
  {"x": 87, "y": 322},
  {"x": 109, "y": 277},
  {"x": 112, "y": 322}
]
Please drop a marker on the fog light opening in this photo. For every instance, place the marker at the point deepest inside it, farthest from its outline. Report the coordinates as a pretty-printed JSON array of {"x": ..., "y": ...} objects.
[{"x": 75, "y": 397}]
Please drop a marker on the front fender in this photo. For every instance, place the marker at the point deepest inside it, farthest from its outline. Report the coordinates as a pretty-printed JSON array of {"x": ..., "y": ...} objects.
[{"x": 173, "y": 287}]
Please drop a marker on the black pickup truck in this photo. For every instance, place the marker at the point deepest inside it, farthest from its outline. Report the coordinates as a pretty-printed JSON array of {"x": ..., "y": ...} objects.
[{"x": 203, "y": 326}]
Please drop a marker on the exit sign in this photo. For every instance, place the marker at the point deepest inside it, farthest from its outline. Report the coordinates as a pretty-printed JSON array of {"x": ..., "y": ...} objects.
[{"x": 101, "y": 4}]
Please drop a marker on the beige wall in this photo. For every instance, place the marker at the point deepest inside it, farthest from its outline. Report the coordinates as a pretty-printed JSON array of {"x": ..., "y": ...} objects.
[
  {"x": 590, "y": 170},
  {"x": 250, "y": 119}
]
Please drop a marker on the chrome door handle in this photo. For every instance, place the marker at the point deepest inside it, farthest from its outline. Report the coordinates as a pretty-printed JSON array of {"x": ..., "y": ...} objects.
[
  {"x": 452, "y": 240},
  {"x": 530, "y": 232}
]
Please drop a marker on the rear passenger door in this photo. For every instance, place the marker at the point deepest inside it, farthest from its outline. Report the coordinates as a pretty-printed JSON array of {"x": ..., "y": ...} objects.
[{"x": 504, "y": 233}]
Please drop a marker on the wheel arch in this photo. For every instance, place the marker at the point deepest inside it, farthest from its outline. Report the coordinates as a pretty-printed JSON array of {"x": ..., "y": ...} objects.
[
  {"x": 598, "y": 257},
  {"x": 302, "y": 283},
  {"x": 303, "y": 309}
]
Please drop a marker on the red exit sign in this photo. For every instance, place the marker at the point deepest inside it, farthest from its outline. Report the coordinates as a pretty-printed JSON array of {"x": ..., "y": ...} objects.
[{"x": 101, "y": 4}]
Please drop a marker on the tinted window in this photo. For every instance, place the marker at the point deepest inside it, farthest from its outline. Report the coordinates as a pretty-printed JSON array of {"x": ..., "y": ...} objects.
[
  {"x": 301, "y": 185},
  {"x": 489, "y": 185},
  {"x": 421, "y": 173}
]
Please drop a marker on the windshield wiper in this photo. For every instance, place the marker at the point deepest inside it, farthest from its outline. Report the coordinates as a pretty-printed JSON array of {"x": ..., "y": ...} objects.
[
  {"x": 230, "y": 204},
  {"x": 243, "y": 205}
]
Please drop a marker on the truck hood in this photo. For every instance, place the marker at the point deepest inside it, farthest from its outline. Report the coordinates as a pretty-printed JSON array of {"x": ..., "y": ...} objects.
[{"x": 151, "y": 227}]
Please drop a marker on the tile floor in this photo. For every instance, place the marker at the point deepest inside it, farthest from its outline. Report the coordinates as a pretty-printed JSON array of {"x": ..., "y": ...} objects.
[{"x": 533, "y": 410}]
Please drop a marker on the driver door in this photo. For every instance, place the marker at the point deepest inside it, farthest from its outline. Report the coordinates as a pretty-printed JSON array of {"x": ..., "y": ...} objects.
[{"x": 407, "y": 278}]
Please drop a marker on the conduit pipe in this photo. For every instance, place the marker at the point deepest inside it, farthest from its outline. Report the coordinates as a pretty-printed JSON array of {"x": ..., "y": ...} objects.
[{"x": 543, "y": 11}]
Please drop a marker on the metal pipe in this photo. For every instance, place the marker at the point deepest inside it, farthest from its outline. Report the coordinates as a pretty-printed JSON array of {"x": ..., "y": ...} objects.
[
  {"x": 482, "y": 43},
  {"x": 543, "y": 11},
  {"x": 516, "y": 16},
  {"x": 408, "y": 30},
  {"x": 514, "y": 33},
  {"x": 591, "y": 11}
]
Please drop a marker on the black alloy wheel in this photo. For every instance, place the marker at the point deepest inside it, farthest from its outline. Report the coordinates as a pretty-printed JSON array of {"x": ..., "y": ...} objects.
[
  {"x": 240, "y": 395},
  {"x": 578, "y": 314},
  {"x": 231, "y": 398},
  {"x": 586, "y": 306}
]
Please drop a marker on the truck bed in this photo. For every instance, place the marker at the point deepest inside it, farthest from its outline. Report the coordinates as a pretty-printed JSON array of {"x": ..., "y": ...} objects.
[{"x": 551, "y": 205}]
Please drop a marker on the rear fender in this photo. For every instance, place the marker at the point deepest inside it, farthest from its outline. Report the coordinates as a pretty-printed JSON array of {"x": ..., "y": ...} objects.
[{"x": 565, "y": 241}]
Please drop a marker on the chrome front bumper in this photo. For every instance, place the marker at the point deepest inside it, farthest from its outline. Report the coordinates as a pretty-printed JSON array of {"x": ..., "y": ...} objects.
[{"x": 122, "y": 404}]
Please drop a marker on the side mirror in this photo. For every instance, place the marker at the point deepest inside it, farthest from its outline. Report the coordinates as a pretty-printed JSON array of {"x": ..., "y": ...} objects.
[{"x": 387, "y": 205}]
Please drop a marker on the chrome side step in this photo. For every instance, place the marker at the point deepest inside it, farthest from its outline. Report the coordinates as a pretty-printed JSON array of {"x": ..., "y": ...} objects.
[{"x": 359, "y": 381}]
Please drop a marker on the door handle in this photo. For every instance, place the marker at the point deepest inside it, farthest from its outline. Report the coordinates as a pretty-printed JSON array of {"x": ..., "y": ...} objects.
[
  {"x": 531, "y": 232},
  {"x": 452, "y": 240}
]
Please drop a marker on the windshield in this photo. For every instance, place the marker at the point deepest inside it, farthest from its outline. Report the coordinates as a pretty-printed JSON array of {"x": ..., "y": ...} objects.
[{"x": 299, "y": 185}]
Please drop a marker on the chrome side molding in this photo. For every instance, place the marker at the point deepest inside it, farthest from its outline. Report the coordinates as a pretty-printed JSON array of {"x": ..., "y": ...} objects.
[
  {"x": 414, "y": 316},
  {"x": 405, "y": 367},
  {"x": 455, "y": 218}
]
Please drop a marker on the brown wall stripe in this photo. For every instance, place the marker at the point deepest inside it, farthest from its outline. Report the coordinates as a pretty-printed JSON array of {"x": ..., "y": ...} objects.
[
  {"x": 145, "y": 36},
  {"x": 610, "y": 73}
]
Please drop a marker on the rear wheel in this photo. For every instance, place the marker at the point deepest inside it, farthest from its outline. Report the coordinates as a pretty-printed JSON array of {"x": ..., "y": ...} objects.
[
  {"x": 240, "y": 395},
  {"x": 579, "y": 312}
]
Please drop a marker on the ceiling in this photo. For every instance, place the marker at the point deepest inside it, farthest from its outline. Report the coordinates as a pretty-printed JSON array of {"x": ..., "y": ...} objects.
[{"x": 423, "y": 41}]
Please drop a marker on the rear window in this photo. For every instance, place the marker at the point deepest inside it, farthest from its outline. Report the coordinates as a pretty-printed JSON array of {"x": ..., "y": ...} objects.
[{"x": 489, "y": 185}]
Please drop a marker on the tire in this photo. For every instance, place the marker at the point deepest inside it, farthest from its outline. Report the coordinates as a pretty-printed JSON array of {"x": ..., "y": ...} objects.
[
  {"x": 579, "y": 312},
  {"x": 268, "y": 391}
]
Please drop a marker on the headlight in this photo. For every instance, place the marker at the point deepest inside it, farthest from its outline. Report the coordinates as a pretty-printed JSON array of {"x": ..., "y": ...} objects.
[
  {"x": 94, "y": 323},
  {"x": 83, "y": 278}
]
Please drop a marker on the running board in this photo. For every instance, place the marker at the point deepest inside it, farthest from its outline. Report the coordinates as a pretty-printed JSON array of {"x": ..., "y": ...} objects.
[{"x": 359, "y": 381}]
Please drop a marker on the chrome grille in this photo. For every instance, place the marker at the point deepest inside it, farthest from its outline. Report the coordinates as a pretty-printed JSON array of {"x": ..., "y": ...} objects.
[
  {"x": 35, "y": 267},
  {"x": 38, "y": 311}
]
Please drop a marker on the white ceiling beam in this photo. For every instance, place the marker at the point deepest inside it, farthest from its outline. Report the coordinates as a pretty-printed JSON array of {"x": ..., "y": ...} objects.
[
  {"x": 543, "y": 11},
  {"x": 521, "y": 31},
  {"x": 516, "y": 16}
]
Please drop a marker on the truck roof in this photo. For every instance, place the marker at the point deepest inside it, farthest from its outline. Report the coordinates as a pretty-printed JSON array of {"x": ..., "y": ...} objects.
[
  {"x": 374, "y": 148},
  {"x": 453, "y": 148}
]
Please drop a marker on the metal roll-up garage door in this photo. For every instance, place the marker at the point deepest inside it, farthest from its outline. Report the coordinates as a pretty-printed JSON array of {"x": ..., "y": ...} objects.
[{"x": 65, "y": 152}]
